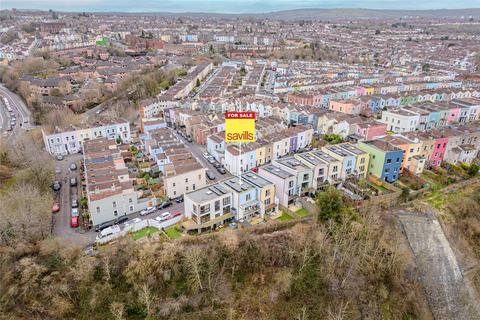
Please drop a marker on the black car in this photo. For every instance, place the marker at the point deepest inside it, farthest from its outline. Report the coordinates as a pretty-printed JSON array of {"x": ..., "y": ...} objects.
[
  {"x": 121, "y": 219},
  {"x": 164, "y": 205},
  {"x": 179, "y": 199},
  {"x": 104, "y": 225},
  {"x": 222, "y": 170},
  {"x": 189, "y": 139}
]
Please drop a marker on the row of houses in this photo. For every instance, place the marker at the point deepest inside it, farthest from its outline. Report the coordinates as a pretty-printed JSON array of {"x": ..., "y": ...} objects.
[
  {"x": 70, "y": 139},
  {"x": 429, "y": 116}
]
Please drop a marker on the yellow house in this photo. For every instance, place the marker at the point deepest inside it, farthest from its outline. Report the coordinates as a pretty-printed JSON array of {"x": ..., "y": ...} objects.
[
  {"x": 260, "y": 155},
  {"x": 369, "y": 91}
]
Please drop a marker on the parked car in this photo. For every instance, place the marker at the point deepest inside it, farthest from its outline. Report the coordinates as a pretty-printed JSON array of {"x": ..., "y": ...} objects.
[
  {"x": 189, "y": 139},
  {"x": 121, "y": 219},
  {"x": 147, "y": 211},
  {"x": 232, "y": 225},
  {"x": 108, "y": 231},
  {"x": 164, "y": 216},
  {"x": 59, "y": 157},
  {"x": 73, "y": 166},
  {"x": 58, "y": 170},
  {"x": 217, "y": 165},
  {"x": 222, "y": 170},
  {"x": 206, "y": 155},
  {"x": 179, "y": 199},
  {"x": 133, "y": 221},
  {"x": 57, "y": 185},
  {"x": 176, "y": 214},
  {"x": 73, "y": 182},
  {"x": 74, "y": 203},
  {"x": 211, "y": 160},
  {"x": 164, "y": 204},
  {"x": 101, "y": 226},
  {"x": 210, "y": 175},
  {"x": 74, "y": 222},
  {"x": 75, "y": 212},
  {"x": 55, "y": 207}
]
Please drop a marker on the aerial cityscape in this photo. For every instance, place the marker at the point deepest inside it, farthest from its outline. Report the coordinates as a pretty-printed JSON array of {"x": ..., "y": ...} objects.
[{"x": 239, "y": 160}]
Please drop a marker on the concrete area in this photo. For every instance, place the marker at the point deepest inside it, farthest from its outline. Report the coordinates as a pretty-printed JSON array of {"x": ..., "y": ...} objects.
[{"x": 449, "y": 295}]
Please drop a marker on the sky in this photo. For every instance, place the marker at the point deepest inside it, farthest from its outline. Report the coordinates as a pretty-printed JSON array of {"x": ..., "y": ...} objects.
[{"x": 230, "y": 6}]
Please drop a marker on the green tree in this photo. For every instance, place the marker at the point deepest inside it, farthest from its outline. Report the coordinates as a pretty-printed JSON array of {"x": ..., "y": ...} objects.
[
  {"x": 332, "y": 205},
  {"x": 198, "y": 83},
  {"x": 405, "y": 194},
  {"x": 473, "y": 170}
]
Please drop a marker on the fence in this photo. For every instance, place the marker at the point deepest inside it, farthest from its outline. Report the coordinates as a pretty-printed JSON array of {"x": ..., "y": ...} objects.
[{"x": 138, "y": 226}]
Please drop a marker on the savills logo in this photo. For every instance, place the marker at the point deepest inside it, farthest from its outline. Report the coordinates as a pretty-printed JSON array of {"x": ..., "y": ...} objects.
[{"x": 244, "y": 136}]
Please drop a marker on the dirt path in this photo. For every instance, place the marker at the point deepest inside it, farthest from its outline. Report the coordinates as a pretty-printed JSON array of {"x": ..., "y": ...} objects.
[{"x": 449, "y": 295}]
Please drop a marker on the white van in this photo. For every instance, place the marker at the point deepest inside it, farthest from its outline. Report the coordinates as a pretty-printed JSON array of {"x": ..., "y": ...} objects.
[{"x": 108, "y": 231}]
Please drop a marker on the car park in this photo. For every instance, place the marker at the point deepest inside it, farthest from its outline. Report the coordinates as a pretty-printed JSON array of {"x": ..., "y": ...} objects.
[
  {"x": 164, "y": 204},
  {"x": 121, "y": 219},
  {"x": 164, "y": 216},
  {"x": 74, "y": 222},
  {"x": 75, "y": 212},
  {"x": 210, "y": 175},
  {"x": 147, "y": 211}
]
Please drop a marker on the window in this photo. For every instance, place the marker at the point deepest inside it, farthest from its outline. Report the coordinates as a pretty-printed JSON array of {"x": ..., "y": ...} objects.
[
  {"x": 114, "y": 204},
  {"x": 186, "y": 188},
  {"x": 193, "y": 186},
  {"x": 321, "y": 171},
  {"x": 115, "y": 213},
  {"x": 130, "y": 200},
  {"x": 362, "y": 160},
  {"x": 398, "y": 160},
  {"x": 186, "y": 180},
  {"x": 389, "y": 160},
  {"x": 290, "y": 184},
  {"x": 226, "y": 201},
  {"x": 98, "y": 209},
  {"x": 267, "y": 193},
  {"x": 217, "y": 205},
  {"x": 131, "y": 208},
  {"x": 387, "y": 170},
  {"x": 248, "y": 197},
  {"x": 205, "y": 209},
  {"x": 373, "y": 157},
  {"x": 305, "y": 177},
  {"x": 173, "y": 184},
  {"x": 335, "y": 168},
  {"x": 267, "y": 201}
]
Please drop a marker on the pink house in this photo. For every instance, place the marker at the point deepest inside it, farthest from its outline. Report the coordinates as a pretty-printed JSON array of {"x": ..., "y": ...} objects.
[
  {"x": 370, "y": 130},
  {"x": 360, "y": 91},
  {"x": 453, "y": 115},
  {"x": 348, "y": 107},
  {"x": 438, "y": 151}
]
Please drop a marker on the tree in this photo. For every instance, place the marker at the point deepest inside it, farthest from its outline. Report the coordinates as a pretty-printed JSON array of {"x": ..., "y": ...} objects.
[
  {"x": 405, "y": 194},
  {"x": 332, "y": 205},
  {"x": 473, "y": 170},
  {"x": 198, "y": 83}
]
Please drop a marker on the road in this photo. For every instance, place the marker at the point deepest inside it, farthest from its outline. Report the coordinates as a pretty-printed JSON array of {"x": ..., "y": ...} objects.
[
  {"x": 21, "y": 113},
  {"x": 197, "y": 151}
]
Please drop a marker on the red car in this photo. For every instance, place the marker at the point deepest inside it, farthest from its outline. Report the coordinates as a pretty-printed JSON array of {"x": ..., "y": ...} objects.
[
  {"x": 176, "y": 214},
  {"x": 55, "y": 207},
  {"x": 74, "y": 222}
]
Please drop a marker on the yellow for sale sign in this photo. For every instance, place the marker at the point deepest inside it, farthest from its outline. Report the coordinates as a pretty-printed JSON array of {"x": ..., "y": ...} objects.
[{"x": 239, "y": 126}]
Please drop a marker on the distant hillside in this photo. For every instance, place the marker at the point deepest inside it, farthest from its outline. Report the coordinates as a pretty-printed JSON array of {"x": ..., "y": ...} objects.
[{"x": 324, "y": 14}]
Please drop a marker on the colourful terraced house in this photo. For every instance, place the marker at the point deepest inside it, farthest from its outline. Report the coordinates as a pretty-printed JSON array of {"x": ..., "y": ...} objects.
[{"x": 385, "y": 159}]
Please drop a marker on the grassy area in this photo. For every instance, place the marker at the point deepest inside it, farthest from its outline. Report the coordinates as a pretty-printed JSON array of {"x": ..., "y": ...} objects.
[
  {"x": 285, "y": 217},
  {"x": 302, "y": 212},
  {"x": 173, "y": 233},
  {"x": 144, "y": 232}
]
